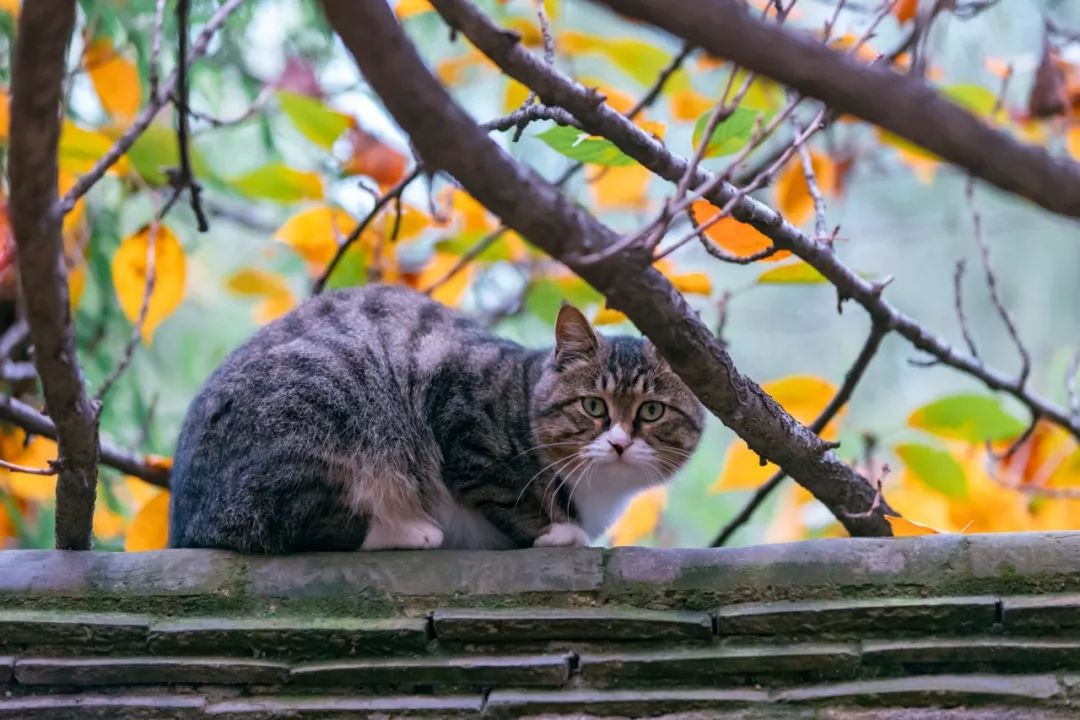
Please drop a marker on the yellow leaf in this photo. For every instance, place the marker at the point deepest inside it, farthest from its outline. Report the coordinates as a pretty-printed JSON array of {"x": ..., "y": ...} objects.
[
  {"x": 107, "y": 523},
  {"x": 11, "y": 7},
  {"x": 793, "y": 194},
  {"x": 451, "y": 291},
  {"x": 689, "y": 104},
  {"x": 804, "y": 397},
  {"x": 37, "y": 454},
  {"x": 739, "y": 239},
  {"x": 469, "y": 215},
  {"x": 622, "y": 187},
  {"x": 696, "y": 283},
  {"x": 516, "y": 94},
  {"x": 139, "y": 491},
  {"x": 640, "y": 517},
  {"x": 989, "y": 506},
  {"x": 1072, "y": 142},
  {"x": 5, "y": 113},
  {"x": 315, "y": 234},
  {"x": 409, "y": 8},
  {"x": 607, "y": 316},
  {"x": 115, "y": 79},
  {"x": 129, "y": 276},
  {"x": 81, "y": 148},
  {"x": 76, "y": 285},
  {"x": 902, "y": 527},
  {"x": 149, "y": 529},
  {"x": 277, "y": 297}
]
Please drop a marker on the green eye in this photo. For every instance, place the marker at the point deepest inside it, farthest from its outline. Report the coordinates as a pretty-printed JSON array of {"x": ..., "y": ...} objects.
[
  {"x": 594, "y": 406},
  {"x": 650, "y": 411}
]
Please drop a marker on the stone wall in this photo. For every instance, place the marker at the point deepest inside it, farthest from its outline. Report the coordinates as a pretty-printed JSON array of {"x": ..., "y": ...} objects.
[{"x": 946, "y": 626}]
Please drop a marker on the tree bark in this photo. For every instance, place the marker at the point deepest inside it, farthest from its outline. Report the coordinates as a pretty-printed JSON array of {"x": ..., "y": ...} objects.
[
  {"x": 45, "y": 28},
  {"x": 448, "y": 139}
]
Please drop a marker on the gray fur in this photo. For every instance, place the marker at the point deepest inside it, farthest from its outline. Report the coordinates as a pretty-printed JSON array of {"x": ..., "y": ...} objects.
[{"x": 380, "y": 403}]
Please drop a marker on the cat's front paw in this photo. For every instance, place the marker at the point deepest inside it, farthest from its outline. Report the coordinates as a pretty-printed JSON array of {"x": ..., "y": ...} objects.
[
  {"x": 405, "y": 535},
  {"x": 562, "y": 535}
]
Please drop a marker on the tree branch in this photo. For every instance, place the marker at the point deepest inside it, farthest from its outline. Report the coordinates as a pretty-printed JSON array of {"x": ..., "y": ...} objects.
[
  {"x": 851, "y": 379},
  {"x": 45, "y": 28},
  {"x": 554, "y": 88},
  {"x": 448, "y": 139},
  {"x": 902, "y": 104},
  {"x": 127, "y": 462}
]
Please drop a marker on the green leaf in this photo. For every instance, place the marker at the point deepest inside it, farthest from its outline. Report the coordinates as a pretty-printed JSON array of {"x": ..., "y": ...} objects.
[
  {"x": 351, "y": 271},
  {"x": 579, "y": 146},
  {"x": 975, "y": 418},
  {"x": 463, "y": 243},
  {"x": 547, "y": 294},
  {"x": 315, "y": 121},
  {"x": 974, "y": 98},
  {"x": 935, "y": 468},
  {"x": 797, "y": 273},
  {"x": 280, "y": 183},
  {"x": 731, "y": 135}
]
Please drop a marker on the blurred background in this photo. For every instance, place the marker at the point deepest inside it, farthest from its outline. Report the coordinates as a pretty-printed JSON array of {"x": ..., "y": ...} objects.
[{"x": 313, "y": 150}]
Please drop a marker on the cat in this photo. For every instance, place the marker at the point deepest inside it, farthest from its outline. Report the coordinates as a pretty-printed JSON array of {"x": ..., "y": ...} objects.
[{"x": 376, "y": 418}]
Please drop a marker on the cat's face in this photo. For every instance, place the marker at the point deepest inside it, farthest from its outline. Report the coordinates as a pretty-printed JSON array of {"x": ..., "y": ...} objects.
[{"x": 609, "y": 412}]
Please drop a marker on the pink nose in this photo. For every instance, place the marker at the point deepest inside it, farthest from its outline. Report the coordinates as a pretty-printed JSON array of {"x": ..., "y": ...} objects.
[{"x": 618, "y": 447}]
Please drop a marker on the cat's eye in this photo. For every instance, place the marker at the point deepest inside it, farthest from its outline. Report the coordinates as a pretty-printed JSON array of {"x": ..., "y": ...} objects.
[
  {"x": 650, "y": 411},
  {"x": 594, "y": 406}
]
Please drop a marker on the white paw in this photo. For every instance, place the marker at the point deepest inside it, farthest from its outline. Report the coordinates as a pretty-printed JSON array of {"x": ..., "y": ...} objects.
[
  {"x": 562, "y": 535},
  {"x": 403, "y": 535}
]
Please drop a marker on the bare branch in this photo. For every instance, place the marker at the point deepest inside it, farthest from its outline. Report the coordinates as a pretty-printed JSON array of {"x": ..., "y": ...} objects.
[
  {"x": 125, "y": 461},
  {"x": 53, "y": 469},
  {"x": 448, "y": 139},
  {"x": 45, "y": 28},
  {"x": 146, "y": 115},
  {"x": 902, "y": 104},
  {"x": 958, "y": 300},
  {"x": 526, "y": 114},
  {"x": 599, "y": 119},
  {"x": 821, "y": 226},
  {"x": 155, "y": 47},
  {"x": 847, "y": 389},
  {"x": 661, "y": 80}
]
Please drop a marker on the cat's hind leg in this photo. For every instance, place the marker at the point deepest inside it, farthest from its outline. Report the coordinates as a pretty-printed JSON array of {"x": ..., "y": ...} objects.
[{"x": 397, "y": 491}]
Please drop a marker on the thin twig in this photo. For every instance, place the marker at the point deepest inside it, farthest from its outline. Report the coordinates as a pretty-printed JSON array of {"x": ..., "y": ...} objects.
[
  {"x": 256, "y": 105},
  {"x": 549, "y": 58},
  {"x": 146, "y": 115},
  {"x": 467, "y": 257},
  {"x": 1070, "y": 386},
  {"x": 661, "y": 80},
  {"x": 357, "y": 231},
  {"x": 136, "y": 330},
  {"x": 877, "y": 498},
  {"x": 13, "y": 337},
  {"x": 524, "y": 115},
  {"x": 958, "y": 288},
  {"x": 53, "y": 469},
  {"x": 995, "y": 296},
  {"x": 821, "y": 227},
  {"x": 851, "y": 380}
]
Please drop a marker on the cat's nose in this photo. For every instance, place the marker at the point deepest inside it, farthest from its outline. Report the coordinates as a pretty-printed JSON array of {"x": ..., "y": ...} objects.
[{"x": 617, "y": 447}]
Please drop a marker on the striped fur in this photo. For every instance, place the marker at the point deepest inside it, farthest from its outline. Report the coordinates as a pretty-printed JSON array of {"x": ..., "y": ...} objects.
[{"x": 376, "y": 418}]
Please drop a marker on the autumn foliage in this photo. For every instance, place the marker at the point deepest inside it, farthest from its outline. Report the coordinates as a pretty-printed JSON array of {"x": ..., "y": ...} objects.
[{"x": 292, "y": 158}]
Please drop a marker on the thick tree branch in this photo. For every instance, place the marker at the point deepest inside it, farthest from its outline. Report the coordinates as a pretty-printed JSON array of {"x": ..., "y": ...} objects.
[
  {"x": 900, "y": 103},
  {"x": 554, "y": 88},
  {"x": 45, "y": 28},
  {"x": 126, "y": 461},
  {"x": 448, "y": 139}
]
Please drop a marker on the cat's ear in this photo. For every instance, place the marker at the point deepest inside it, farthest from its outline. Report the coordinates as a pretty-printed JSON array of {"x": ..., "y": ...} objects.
[{"x": 574, "y": 337}]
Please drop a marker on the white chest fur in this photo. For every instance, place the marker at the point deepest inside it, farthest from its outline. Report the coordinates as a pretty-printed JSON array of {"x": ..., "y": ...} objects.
[{"x": 602, "y": 496}]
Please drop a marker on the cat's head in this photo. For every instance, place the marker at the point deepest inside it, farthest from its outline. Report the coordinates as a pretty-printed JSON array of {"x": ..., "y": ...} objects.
[{"x": 610, "y": 416}]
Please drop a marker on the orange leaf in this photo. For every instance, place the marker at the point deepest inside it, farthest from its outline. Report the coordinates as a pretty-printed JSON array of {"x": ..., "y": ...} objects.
[
  {"x": 739, "y": 239},
  {"x": 608, "y": 316},
  {"x": 451, "y": 291},
  {"x": 115, "y": 79},
  {"x": 902, "y": 527},
  {"x": 273, "y": 290},
  {"x": 640, "y": 518},
  {"x": 107, "y": 522},
  {"x": 5, "y": 113},
  {"x": 149, "y": 529},
  {"x": 1072, "y": 142},
  {"x": 129, "y": 276},
  {"x": 374, "y": 158},
  {"x": 38, "y": 453},
  {"x": 688, "y": 104},
  {"x": 622, "y": 187},
  {"x": 905, "y": 10},
  {"x": 408, "y": 8},
  {"x": 804, "y": 396},
  {"x": 793, "y": 194}
]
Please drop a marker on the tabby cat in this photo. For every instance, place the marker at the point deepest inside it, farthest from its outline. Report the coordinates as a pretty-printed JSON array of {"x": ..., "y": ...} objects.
[{"x": 376, "y": 418}]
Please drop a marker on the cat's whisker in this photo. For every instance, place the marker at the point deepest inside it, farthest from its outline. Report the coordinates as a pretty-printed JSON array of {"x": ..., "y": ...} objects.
[
  {"x": 564, "y": 481},
  {"x": 543, "y": 446},
  {"x": 541, "y": 472}
]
